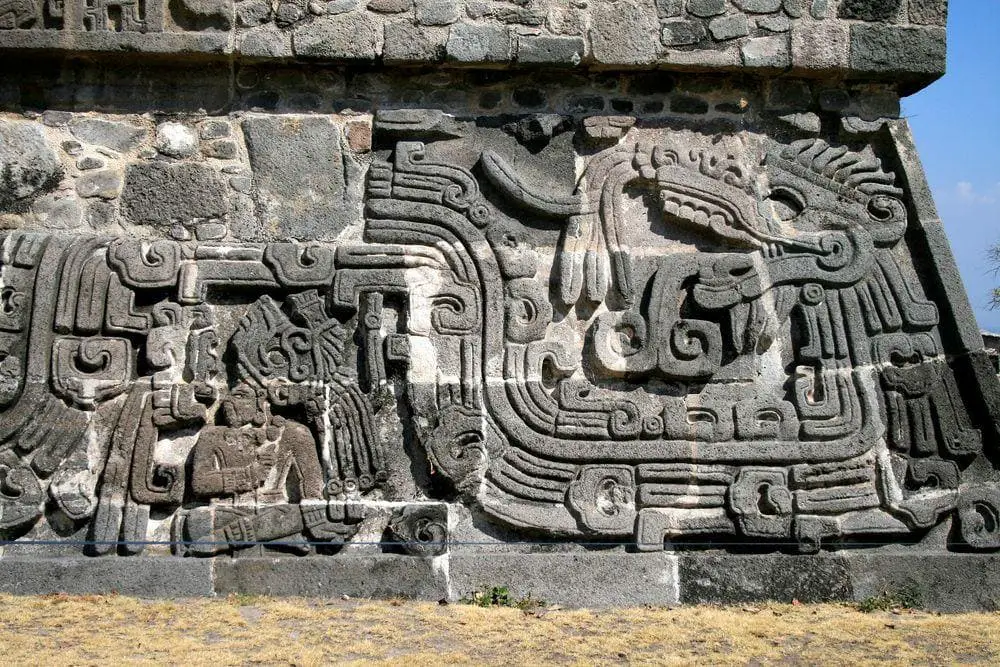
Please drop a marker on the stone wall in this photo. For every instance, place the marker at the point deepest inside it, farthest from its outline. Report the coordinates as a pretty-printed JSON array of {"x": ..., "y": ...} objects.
[{"x": 287, "y": 282}]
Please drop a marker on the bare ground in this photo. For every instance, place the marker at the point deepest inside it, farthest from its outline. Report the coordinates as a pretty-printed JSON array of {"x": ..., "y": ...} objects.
[{"x": 91, "y": 630}]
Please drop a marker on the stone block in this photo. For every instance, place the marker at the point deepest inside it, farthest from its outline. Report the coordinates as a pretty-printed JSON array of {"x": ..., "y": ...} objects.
[
  {"x": 379, "y": 576},
  {"x": 668, "y": 9},
  {"x": 298, "y": 168},
  {"x": 821, "y": 46},
  {"x": 729, "y": 27},
  {"x": 267, "y": 41},
  {"x": 766, "y": 52},
  {"x": 714, "y": 578},
  {"x": 161, "y": 194},
  {"x": 877, "y": 11},
  {"x": 928, "y": 12},
  {"x": 706, "y": 8},
  {"x": 596, "y": 579},
  {"x": 28, "y": 163},
  {"x": 682, "y": 33},
  {"x": 406, "y": 42},
  {"x": 550, "y": 50},
  {"x": 354, "y": 36},
  {"x": 390, "y": 6},
  {"x": 890, "y": 49},
  {"x": 118, "y": 136},
  {"x": 936, "y": 581},
  {"x": 623, "y": 32},
  {"x": 436, "y": 12},
  {"x": 137, "y": 576},
  {"x": 758, "y": 6},
  {"x": 479, "y": 44}
]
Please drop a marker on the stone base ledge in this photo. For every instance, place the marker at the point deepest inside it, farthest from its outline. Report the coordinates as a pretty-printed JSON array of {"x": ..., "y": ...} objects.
[{"x": 935, "y": 580}]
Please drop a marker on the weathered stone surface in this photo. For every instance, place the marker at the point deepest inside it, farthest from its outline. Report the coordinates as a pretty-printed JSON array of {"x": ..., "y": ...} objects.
[
  {"x": 706, "y": 8},
  {"x": 351, "y": 575},
  {"x": 479, "y": 44},
  {"x": 106, "y": 184},
  {"x": 876, "y": 48},
  {"x": 298, "y": 169},
  {"x": 767, "y": 52},
  {"x": 735, "y": 579},
  {"x": 614, "y": 34},
  {"x": 28, "y": 163},
  {"x": 825, "y": 47},
  {"x": 869, "y": 10},
  {"x": 593, "y": 579},
  {"x": 550, "y": 50},
  {"x": 682, "y": 33},
  {"x": 928, "y": 12},
  {"x": 623, "y": 32},
  {"x": 344, "y": 36},
  {"x": 758, "y": 6},
  {"x": 141, "y": 577},
  {"x": 176, "y": 139},
  {"x": 729, "y": 27},
  {"x": 116, "y": 135},
  {"x": 609, "y": 285},
  {"x": 156, "y": 193}
]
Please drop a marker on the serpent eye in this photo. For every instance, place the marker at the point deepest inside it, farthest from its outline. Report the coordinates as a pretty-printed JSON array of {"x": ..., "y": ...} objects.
[{"x": 786, "y": 203}]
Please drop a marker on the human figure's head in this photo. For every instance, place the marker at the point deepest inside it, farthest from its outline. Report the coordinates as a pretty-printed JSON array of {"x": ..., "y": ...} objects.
[{"x": 245, "y": 405}]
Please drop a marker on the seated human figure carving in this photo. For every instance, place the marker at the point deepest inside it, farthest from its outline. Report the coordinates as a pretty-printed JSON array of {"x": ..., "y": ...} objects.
[{"x": 262, "y": 476}]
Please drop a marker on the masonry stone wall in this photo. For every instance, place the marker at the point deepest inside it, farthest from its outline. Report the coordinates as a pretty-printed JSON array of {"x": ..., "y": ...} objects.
[{"x": 618, "y": 302}]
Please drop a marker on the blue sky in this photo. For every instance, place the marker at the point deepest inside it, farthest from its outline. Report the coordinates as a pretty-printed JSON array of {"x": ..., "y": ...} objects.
[{"x": 956, "y": 123}]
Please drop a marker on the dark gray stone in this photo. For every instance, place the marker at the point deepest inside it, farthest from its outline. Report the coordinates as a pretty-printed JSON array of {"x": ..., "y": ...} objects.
[
  {"x": 161, "y": 194},
  {"x": 777, "y": 23},
  {"x": 390, "y": 6},
  {"x": 668, "y": 9},
  {"x": 354, "y": 36},
  {"x": 137, "y": 576},
  {"x": 252, "y": 13},
  {"x": 876, "y": 48},
  {"x": 106, "y": 184},
  {"x": 436, "y": 12},
  {"x": 719, "y": 578},
  {"x": 223, "y": 149},
  {"x": 622, "y": 32},
  {"x": 28, "y": 163},
  {"x": 928, "y": 12},
  {"x": 598, "y": 578},
  {"x": 56, "y": 118},
  {"x": 383, "y": 576},
  {"x": 299, "y": 168},
  {"x": 551, "y": 50},
  {"x": 214, "y": 129},
  {"x": 406, "y": 42},
  {"x": 89, "y": 162},
  {"x": 819, "y": 9},
  {"x": 118, "y": 136},
  {"x": 706, "y": 8},
  {"x": 478, "y": 43},
  {"x": 834, "y": 99},
  {"x": 759, "y": 6},
  {"x": 682, "y": 33},
  {"x": 869, "y": 10},
  {"x": 729, "y": 27},
  {"x": 766, "y": 52},
  {"x": 935, "y": 581}
]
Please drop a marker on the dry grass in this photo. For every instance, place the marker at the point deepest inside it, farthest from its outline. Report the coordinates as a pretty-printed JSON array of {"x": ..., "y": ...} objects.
[{"x": 84, "y": 630}]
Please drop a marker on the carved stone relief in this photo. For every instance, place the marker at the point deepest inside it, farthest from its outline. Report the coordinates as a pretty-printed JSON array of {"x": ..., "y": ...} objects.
[{"x": 216, "y": 350}]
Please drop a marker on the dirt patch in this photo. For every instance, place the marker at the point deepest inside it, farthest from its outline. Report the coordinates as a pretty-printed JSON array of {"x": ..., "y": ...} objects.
[{"x": 83, "y": 630}]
